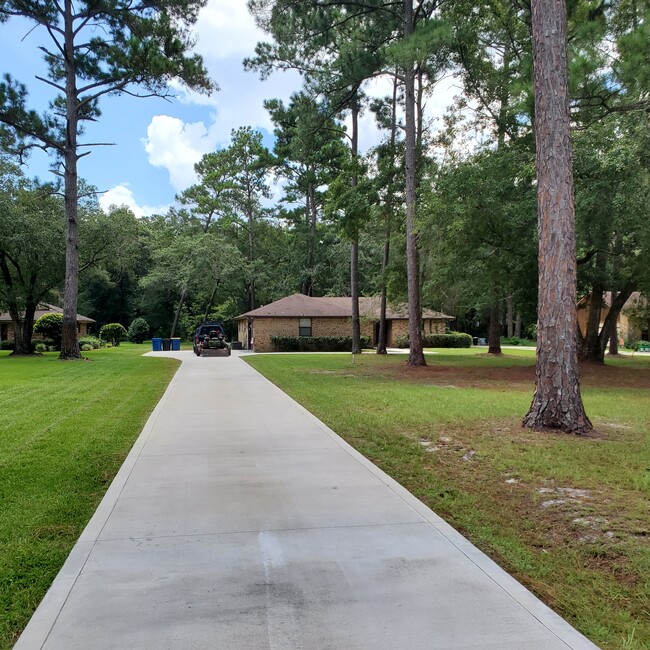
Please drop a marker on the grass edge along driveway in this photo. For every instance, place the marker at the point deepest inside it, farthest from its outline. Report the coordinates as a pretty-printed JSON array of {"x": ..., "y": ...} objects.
[
  {"x": 567, "y": 516},
  {"x": 65, "y": 429}
]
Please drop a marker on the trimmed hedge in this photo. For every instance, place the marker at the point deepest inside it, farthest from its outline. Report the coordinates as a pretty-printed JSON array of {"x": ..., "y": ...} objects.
[
  {"x": 449, "y": 340},
  {"x": 113, "y": 332},
  {"x": 92, "y": 341},
  {"x": 50, "y": 326},
  {"x": 315, "y": 343}
]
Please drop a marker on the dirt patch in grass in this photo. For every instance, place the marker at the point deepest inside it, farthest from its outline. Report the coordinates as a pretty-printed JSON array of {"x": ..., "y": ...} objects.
[{"x": 518, "y": 377}]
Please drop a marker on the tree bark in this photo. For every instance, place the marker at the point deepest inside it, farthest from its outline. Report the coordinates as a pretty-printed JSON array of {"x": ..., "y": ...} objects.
[
  {"x": 509, "y": 317},
  {"x": 177, "y": 315},
  {"x": 382, "y": 334},
  {"x": 70, "y": 340},
  {"x": 613, "y": 339},
  {"x": 354, "y": 253},
  {"x": 416, "y": 353},
  {"x": 518, "y": 325},
  {"x": 557, "y": 402},
  {"x": 494, "y": 331}
]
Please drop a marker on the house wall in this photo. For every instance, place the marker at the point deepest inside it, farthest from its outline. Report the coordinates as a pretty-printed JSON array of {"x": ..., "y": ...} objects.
[
  {"x": 7, "y": 331},
  {"x": 626, "y": 330},
  {"x": 399, "y": 327},
  {"x": 265, "y": 328},
  {"x": 242, "y": 333}
]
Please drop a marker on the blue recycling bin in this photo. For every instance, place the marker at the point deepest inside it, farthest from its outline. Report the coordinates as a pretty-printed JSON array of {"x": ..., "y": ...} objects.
[
  {"x": 176, "y": 344},
  {"x": 156, "y": 344}
]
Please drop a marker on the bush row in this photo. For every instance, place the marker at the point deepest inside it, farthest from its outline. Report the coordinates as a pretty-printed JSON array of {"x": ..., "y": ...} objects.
[
  {"x": 639, "y": 344},
  {"x": 315, "y": 343},
  {"x": 449, "y": 340}
]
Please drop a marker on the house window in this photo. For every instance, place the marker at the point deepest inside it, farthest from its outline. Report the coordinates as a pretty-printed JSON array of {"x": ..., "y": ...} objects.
[{"x": 304, "y": 327}]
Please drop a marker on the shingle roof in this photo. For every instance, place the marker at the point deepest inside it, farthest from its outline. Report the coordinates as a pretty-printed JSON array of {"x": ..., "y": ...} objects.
[
  {"x": 300, "y": 306},
  {"x": 46, "y": 308}
]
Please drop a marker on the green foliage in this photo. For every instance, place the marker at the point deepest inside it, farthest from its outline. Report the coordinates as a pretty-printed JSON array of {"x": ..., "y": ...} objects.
[
  {"x": 40, "y": 347},
  {"x": 449, "y": 340},
  {"x": 315, "y": 343},
  {"x": 640, "y": 345},
  {"x": 50, "y": 326},
  {"x": 138, "y": 330},
  {"x": 8, "y": 345},
  {"x": 113, "y": 332},
  {"x": 515, "y": 340},
  {"x": 92, "y": 341}
]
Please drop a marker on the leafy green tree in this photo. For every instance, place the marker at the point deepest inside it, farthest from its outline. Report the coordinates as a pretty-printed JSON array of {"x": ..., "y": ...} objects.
[
  {"x": 113, "y": 332},
  {"x": 95, "y": 49},
  {"x": 612, "y": 195},
  {"x": 50, "y": 326},
  {"x": 309, "y": 152},
  {"x": 32, "y": 226},
  {"x": 138, "y": 330}
]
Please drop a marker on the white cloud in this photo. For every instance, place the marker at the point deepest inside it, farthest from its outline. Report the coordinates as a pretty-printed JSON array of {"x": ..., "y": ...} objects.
[
  {"x": 121, "y": 195},
  {"x": 226, "y": 29},
  {"x": 176, "y": 146}
]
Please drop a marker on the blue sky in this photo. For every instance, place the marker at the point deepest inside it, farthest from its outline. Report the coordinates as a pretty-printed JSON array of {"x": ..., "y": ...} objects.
[{"x": 157, "y": 142}]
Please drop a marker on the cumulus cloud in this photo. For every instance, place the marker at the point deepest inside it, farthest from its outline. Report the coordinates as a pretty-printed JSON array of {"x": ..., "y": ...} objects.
[
  {"x": 226, "y": 34},
  {"x": 176, "y": 146},
  {"x": 121, "y": 195}
]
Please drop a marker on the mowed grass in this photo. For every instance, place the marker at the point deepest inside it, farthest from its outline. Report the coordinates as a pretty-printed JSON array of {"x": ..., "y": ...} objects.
[
  {"x": 65, "y": 428},
  {"x": 567, "y": 515}
]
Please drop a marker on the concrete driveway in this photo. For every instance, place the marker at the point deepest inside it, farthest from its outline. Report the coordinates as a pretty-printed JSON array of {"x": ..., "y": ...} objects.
[{"x": 240, "y": 521}]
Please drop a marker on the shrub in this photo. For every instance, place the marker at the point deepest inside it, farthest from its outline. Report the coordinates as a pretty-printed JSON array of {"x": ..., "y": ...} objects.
[
  {"x": 50, "y": 326},
  {"x": 7, "y": 345},
  {"x": 138, "y": 330},
  {"x": 639, "y": 344},
  {"x": 40, "y": 347},
  {"x": 87, "y": 348},
  {"x": 113, "y": 332},
  {"x": 449, "y": 340},
  {"x": 315, "y": 343},
  {"x": 92, "y": 341}
]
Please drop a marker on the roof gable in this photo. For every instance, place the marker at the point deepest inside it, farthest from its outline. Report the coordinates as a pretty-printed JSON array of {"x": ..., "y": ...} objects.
[{"x": 300, "y": 306}]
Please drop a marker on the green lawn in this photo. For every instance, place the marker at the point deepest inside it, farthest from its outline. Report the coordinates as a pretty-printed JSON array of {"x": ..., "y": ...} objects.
[
  {"x": 451, "y": 434},
  {"x": 65, "y": 428}
]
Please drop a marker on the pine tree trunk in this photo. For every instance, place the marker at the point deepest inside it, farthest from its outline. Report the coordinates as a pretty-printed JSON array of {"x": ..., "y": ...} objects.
[
  {"x": 494, "y": 331},
  {"x": 613, "y": 339},
  {"x": 416, "y": 353},
  {"x": 518, "y": 325},
  {"x": 70, "y": 340},
  {"x": 177, "y": 315},
  {"x": 382, "y": 334},
  {"x": 509, "y": 317},
  {"x": 354, "y": 253},
  {"x": 557, "y": 402},
  {"x": 251, "y": 259}
]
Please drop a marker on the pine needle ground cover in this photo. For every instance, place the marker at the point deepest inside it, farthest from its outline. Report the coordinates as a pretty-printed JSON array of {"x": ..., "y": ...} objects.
[
  {"x": 65, "y": 428},
  {"x": 566, "y": 515}
]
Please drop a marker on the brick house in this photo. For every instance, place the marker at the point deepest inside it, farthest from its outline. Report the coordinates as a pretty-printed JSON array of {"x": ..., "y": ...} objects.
[
  {"x": 300, "y": 315},
  {"x": 628, "y": 329},
  {"x": 7, "y": 326}
]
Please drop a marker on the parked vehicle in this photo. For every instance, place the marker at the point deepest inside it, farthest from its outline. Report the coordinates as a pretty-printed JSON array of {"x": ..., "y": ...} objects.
[{"x": 210, "y": 340}]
